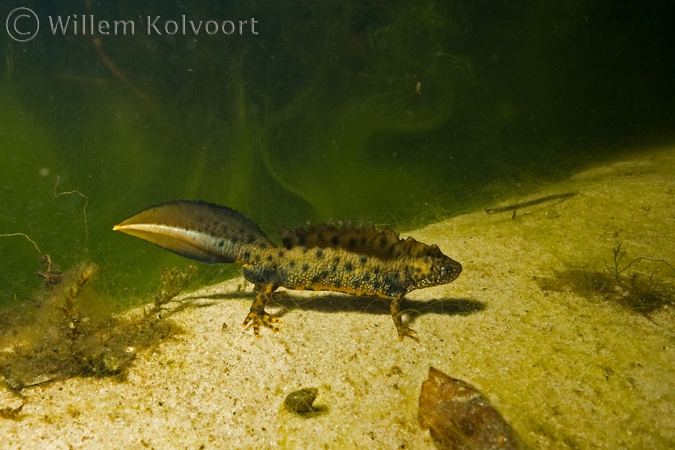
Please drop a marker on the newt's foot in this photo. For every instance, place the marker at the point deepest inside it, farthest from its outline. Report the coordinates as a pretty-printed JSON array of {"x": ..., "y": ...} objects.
[
  {"x": 256, "y": 318},
  {"x": 405, "y": 331}
]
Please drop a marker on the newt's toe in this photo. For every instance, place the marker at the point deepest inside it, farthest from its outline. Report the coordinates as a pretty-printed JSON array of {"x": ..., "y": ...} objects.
[
  {"x": 257, "y": 318},
  {"x": 404, "y": 331}
]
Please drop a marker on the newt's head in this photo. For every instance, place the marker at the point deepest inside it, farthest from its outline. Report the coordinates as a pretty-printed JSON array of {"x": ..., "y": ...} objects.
[{"x": 433, "y": 270}]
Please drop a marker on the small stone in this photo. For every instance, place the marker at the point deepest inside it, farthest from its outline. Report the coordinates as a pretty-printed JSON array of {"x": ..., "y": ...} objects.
[
  {"x": 551, "y": 214},
  {"x": 300, "y": 401}
]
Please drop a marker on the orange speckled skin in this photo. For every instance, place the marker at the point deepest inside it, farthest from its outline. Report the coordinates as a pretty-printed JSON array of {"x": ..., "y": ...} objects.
[
  {"x": 327, "y": 269},
  {"x": 353, "y": 260}
]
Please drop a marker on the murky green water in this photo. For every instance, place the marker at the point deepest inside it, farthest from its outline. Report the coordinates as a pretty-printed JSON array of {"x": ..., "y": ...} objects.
[{"x": 390, "y": 111}]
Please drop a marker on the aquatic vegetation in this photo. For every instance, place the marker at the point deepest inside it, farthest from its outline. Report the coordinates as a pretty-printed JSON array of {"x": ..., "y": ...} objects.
[
  {"x": 174, "y": 281},
  {"x": 68, "y": 329},
  {"x": 52, "y": 276},
  {"x": 640, "y": 290}
]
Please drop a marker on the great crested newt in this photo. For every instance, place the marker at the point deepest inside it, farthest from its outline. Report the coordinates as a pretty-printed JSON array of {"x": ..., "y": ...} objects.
[{"x": 354, "y": 260}]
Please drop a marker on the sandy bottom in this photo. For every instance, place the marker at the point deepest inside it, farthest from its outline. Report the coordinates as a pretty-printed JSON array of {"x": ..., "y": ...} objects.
[{"x": 567, "y": 369}]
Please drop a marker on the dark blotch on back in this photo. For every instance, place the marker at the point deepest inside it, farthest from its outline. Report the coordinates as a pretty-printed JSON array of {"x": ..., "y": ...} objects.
[{"x": 383, "y": 244}]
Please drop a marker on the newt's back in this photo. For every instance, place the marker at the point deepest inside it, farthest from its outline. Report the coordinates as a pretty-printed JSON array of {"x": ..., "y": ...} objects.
[{"x": 361, "y": 261}]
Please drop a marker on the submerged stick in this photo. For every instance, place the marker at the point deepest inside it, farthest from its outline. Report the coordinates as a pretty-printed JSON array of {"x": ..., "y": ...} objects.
[{"x": 517, "y": 206}]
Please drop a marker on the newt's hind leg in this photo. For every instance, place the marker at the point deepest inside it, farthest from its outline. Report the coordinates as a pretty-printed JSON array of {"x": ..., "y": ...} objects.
[
  {"x": 257, "y": 315},
  {"x": 403, "y": 330}
]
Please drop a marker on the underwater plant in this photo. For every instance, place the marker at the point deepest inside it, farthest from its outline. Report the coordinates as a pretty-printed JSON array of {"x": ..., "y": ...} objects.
[
  {"x": 69, "y": 329},
  {"x": 640, "y": 291},
  {"x": 174, "y": 281}
]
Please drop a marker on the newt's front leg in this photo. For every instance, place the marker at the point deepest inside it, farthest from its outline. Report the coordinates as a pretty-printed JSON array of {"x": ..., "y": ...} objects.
[
  {"x": 257, "y": 315},
  {"x": 403, "y": 330}
]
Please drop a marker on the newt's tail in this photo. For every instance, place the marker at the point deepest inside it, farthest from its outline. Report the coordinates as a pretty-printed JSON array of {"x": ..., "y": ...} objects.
[{"x": 198, "y": 230}]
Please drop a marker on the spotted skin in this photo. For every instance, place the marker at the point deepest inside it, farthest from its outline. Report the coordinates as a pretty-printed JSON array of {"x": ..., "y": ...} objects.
[{"x": 363, "y": 261}]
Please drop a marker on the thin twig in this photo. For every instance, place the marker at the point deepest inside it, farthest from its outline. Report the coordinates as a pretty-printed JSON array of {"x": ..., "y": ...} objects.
[
  {"x": 530, "y": 203},
  {"x": 86, "y": 202},
  {"x": 620, "y": 254}
]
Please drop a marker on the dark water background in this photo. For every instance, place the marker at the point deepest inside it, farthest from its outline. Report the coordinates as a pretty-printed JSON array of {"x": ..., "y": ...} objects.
[{"x": 397, "y": 112}]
